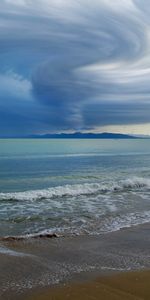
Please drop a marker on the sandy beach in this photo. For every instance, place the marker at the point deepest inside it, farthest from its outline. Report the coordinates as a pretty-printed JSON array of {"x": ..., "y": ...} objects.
[
  {"x": 125, "y": 286},
  {"x": 30, "y": 268}
]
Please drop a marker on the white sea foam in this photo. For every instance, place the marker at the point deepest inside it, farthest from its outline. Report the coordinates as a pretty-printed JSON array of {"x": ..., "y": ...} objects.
[
  {"x": 79, "y": 189},
  {"x": 88, "y": 208},
  {"x": 59, "y": 191},
  {"x": 92, "y": 227},
  {"x": 127, "y": 221}
]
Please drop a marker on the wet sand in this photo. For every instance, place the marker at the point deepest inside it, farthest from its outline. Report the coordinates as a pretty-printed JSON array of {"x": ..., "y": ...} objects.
[
  {"x": 39, "y": 264},
  {"x": 125, "y": 286}
]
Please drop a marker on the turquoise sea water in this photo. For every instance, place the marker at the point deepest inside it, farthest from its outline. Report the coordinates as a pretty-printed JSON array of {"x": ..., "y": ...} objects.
[{"x": 73, "y": 186}]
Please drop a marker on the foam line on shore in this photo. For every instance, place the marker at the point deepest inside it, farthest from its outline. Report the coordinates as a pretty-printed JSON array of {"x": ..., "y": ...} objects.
[{"x": 39, "y": 235}]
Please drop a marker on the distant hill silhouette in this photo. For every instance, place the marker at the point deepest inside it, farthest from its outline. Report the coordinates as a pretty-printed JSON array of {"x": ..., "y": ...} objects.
[{"x": 80, "y": 135}]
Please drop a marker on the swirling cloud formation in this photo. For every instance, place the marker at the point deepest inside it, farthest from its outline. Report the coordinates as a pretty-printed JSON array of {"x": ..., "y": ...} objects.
[{"x": 73, "y": 65}]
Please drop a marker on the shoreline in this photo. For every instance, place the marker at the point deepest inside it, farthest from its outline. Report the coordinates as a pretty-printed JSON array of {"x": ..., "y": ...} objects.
[{"x": 39, "y": 264}]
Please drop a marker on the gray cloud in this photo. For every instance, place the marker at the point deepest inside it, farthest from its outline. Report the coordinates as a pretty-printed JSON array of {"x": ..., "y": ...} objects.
[{"x": 87, "y": 62}]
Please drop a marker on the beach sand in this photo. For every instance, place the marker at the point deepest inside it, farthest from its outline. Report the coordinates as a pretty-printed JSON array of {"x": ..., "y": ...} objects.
[
  {"x": 125, "y": 286},
  {"x": 28, "y": 269}
]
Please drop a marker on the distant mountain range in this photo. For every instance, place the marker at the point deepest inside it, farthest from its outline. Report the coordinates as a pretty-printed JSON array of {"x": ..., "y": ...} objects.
[{"x": 80, "y": 135}]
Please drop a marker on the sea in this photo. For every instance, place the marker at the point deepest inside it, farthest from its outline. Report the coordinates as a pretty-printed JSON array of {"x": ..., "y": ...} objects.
[{"x": 72, "y": 186}]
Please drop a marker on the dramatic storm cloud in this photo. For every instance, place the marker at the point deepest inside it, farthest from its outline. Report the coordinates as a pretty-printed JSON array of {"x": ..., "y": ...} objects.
[{"x": 74, "y": 65}]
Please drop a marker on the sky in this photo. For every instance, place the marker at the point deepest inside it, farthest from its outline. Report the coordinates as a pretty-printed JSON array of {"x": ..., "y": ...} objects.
[{"x": 74, "y": 65}]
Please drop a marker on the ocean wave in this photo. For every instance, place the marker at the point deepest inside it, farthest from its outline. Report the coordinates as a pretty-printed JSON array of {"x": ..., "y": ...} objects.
[
  {"x": 94, "y": 227},
  {"x": 78, "y": 189}
]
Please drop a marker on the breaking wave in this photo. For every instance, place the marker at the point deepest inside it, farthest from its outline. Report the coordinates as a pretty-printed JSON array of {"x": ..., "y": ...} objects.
[
  {"x": 91, "y": 228},
  {"x": 79, "y": 189}
]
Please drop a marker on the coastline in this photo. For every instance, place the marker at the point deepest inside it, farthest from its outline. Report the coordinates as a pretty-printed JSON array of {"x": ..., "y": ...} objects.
[{"x": 37, "y": 265}]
